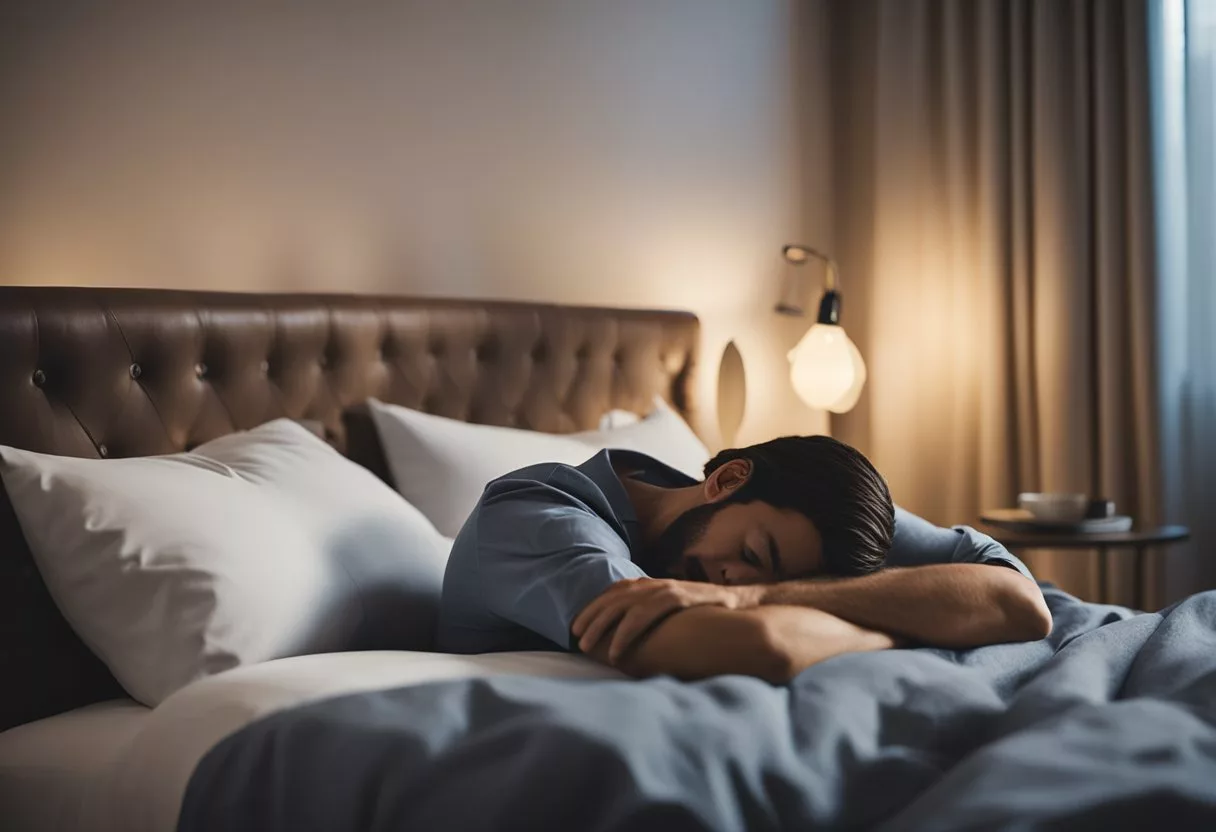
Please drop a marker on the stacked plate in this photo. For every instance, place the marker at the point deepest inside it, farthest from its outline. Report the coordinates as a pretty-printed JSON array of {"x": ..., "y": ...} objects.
[{"x": 1045, "y": 513}]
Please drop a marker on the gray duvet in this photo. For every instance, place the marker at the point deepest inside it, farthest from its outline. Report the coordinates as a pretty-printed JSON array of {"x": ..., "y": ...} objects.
[{"x": 1108, "y": 724}]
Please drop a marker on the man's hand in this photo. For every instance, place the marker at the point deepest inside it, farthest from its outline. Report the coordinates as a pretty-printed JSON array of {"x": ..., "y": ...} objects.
[{"x": 635, "y": 606}]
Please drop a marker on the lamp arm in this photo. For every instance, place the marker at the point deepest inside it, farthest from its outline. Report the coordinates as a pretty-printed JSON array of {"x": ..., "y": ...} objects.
[{"x": 831, "y": 279}]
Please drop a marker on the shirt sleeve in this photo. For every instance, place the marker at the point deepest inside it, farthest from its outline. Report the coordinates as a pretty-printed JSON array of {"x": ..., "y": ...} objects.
[
  {"x": 918, "y": 542},
  {"x": 543, "y": 555}
]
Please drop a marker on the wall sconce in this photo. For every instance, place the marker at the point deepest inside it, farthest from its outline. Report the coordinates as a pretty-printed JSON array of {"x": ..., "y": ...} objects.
[{"x": 825, "y": 367}]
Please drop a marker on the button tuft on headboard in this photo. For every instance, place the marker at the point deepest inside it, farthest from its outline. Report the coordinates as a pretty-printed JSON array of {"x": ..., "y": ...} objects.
[{"x": 487, "y": 351}]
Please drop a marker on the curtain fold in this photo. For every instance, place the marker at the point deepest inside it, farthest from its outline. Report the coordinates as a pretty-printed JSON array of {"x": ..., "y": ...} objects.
[
  {"x": 995, "y": 233},
  {"x": 1184, "y": 122}
]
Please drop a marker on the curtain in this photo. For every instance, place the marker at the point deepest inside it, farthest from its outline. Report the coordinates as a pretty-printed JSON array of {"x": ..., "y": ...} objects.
[
  {"x": 995, "y": 234},
  {"x": 1184, "y": 120}
]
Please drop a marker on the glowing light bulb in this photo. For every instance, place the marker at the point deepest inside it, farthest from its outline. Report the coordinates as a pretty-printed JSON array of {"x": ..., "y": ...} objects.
[{"x": 826, "y": 369}]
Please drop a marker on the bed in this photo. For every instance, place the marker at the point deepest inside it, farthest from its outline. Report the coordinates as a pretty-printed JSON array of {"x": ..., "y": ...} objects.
[{"x": 1109, "y": 723}]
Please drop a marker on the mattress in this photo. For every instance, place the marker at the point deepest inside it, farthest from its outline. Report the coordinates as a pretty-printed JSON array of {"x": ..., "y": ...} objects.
[
  {"x": 49, "y": 768},
  {"x": 122, "y": 767}
]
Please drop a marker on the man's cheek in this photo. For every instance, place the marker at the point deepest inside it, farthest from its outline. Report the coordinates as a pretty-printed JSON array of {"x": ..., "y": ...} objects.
[{"x": 694, "y": 570}]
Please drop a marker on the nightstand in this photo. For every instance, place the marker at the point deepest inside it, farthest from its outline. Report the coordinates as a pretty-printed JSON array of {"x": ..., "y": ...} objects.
[{"x": 1137, "y": 540}]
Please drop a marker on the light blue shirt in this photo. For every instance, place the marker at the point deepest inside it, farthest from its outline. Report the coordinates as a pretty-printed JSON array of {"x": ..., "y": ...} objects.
[{"x": 546, "y": 540}]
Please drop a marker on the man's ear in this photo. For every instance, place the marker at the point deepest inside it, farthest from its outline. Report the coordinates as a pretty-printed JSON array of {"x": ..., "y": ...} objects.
[{"x": 727, "y": 479}]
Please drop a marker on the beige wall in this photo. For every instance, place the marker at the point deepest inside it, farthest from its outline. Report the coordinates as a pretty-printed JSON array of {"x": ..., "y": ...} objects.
[{"x": 639, "y": 153}]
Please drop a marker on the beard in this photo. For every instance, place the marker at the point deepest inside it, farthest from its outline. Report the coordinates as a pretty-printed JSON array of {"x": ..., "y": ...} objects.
[{"x": 670, "y": 549}]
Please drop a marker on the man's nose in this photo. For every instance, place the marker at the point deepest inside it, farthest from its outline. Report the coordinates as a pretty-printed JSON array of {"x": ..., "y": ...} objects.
[{"x": 734, "y": 574}]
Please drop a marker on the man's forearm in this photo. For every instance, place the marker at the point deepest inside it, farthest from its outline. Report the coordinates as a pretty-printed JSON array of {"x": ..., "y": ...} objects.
[
  {"x": 774, "y": 643},
  {"x": 948, "y": 605}
]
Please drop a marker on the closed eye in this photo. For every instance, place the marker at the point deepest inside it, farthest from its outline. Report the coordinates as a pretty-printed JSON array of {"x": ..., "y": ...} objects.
[{"x": 751, "y": 558}]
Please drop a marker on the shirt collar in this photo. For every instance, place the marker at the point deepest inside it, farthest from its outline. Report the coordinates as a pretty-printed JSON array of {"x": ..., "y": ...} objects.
[{"x": 599, "y": 469}]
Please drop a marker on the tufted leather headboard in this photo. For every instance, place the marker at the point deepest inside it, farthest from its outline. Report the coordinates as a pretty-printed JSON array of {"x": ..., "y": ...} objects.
[{"x": 127, "y": 372}]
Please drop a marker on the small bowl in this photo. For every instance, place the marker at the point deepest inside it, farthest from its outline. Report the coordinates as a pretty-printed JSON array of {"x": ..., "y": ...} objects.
[{"x": 1061, "y": 508}]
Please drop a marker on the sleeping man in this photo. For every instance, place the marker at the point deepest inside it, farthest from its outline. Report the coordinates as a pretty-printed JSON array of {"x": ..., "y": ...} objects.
[{"x": 787, "y": 553}]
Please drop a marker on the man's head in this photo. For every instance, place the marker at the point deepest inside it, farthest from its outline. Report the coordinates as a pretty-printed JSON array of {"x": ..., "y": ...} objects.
[{"x": 794, "y": 507}]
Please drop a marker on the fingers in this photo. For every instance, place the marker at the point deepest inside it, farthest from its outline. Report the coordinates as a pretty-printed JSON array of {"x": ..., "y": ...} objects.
[
  {"x": 604, "y": 600},
  {"x": 634, "y": 606},
  {"x": 604, "y": 621},
  {"x": 638, "y": 620}
]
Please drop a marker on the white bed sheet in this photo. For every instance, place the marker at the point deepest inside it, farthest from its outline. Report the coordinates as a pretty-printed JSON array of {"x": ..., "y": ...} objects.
[
  {"x": 120, "y": 767},
  {"x": 48, "y": 768}
]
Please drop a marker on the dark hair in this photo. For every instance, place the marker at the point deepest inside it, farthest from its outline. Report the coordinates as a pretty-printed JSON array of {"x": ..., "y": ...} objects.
[{"x": 833, "y": 485}]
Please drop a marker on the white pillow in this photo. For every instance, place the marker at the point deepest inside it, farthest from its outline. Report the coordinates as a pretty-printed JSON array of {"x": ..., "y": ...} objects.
[
  {"x": 442, "y": 465},
  {"x": 254, "y": 546},
  {"x": 662, "y": 435}
]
